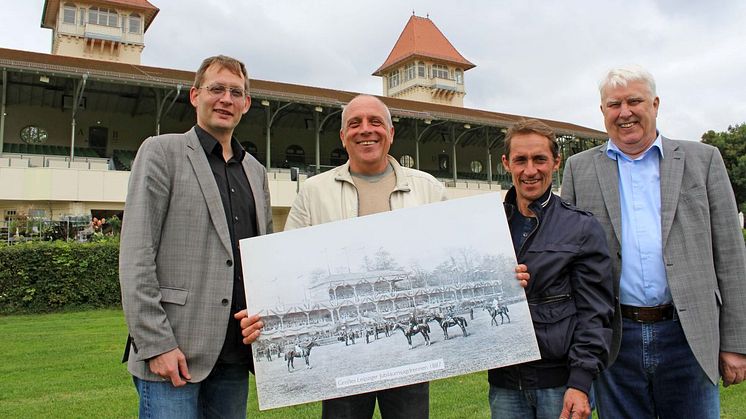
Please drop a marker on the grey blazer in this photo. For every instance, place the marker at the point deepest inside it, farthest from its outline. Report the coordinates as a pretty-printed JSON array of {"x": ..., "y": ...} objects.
[
  {"x": 175, "y": 260},
  {"x": 703, "y": 248}
]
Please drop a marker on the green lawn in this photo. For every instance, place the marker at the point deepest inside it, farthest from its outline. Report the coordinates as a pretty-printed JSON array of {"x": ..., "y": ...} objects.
[{"x": 67, "y": 366}]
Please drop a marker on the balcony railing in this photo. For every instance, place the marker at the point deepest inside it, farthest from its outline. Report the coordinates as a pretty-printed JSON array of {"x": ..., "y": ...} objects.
[
  {"x": 95, "y": 31},
  {"x": 430, "y": 82}
]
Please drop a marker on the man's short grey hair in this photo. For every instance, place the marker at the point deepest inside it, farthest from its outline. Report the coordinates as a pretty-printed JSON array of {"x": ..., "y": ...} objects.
[
  {"x": 386, "y": 108},
  {"x": 621, "y": 76}
]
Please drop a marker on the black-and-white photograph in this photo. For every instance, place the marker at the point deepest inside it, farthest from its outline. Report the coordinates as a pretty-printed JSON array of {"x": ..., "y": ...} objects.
[{"x": 385, "y": 300}]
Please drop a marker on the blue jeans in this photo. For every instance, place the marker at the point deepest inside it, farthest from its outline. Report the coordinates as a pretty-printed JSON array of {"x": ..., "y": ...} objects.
[
  {"x": 655, "y": 375},
  {"x": 222, "y": 394},
  {"x": 408, "y": 402},
  {"x": 540, "y": 403}
]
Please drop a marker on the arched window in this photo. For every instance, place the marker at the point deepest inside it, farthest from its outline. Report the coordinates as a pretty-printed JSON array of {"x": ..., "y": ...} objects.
[
  {"x": 338, "y": 156},
  {"x": 68, "y": 14},
  {"x": 476, "y": 166},
  {"x": 33, "y": 135},
  {"x": 407, "y": 160},
  {"x": 135, "y": 23},
  {"x": 250, "y": 148},
  {"x": 295, "y": 154}
]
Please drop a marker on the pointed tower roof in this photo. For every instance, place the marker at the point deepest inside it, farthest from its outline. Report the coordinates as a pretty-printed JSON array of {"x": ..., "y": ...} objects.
[
  {"x": 422, "y": 38},
  {"x": 52, "y": 7}
]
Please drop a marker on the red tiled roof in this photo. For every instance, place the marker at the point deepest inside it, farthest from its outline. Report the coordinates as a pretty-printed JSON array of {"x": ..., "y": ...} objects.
[
  {"x": 51, "y": 9},
  {"x": 155, "y": 76},
  {"x": 421, "y": 38}
]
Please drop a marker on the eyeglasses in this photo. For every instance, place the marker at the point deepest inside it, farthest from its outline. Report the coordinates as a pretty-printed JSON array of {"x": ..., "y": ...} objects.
[{"x": 218, "y": 90}]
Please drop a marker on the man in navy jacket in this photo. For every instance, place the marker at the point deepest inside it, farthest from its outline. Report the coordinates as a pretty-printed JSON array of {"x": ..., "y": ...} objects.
[{"x": 570, "y": 294}]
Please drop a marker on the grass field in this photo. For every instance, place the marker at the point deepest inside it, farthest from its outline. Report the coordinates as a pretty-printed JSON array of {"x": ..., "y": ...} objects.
[{"x": 67, "y": 366}]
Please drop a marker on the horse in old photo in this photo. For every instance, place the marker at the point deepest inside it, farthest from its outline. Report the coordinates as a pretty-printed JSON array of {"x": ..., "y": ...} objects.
[
  {"x": 411, "y": 330},
  {"x": 300, "y": 350},
  {"x": 450, "y": 321}
]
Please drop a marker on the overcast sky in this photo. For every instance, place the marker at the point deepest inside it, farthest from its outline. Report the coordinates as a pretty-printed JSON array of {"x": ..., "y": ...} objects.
[{"x": 534, "y": 58}]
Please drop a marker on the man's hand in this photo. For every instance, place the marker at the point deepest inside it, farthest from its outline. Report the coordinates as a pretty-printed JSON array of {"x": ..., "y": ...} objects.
[
  {"x": 732, "y": 368},
  {"x": 575, "y": 405},
  {"x": 522, "y": 275},
  {"x": 171, "y": 365},
  {"x": 251, "y": 326}
]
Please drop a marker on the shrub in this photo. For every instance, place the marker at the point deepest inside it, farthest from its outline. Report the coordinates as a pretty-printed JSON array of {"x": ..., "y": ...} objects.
[{"x": 51, "y": 276}]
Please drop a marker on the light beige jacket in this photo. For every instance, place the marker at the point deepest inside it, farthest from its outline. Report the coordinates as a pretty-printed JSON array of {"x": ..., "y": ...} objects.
[{"x": 332, "y": 195}]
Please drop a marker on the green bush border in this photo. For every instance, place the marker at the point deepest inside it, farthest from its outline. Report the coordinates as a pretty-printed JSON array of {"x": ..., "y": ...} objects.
[{"x": 38, "y": 277}]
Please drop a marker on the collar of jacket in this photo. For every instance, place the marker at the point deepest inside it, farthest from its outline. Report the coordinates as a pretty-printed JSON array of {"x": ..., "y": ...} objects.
[
  {"x": 402, "y": 183},
  {"x": 537, "y": 206}
]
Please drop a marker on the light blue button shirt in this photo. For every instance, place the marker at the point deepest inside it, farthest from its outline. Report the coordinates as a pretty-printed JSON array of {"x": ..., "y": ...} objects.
[{"x": 643, "y": 281}]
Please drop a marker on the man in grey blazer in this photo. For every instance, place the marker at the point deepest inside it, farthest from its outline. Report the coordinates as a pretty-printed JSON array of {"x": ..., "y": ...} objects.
[
  {"x": 678, "y": 257},
  {"x": 191, "y": 198}
]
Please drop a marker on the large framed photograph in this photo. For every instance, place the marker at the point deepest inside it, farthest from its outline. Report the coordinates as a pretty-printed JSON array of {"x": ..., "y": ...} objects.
[{"x": 385, "y": 300}]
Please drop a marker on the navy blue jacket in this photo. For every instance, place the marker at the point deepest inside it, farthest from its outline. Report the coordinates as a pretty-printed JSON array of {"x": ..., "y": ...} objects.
[{"x": 570, "y": 297}]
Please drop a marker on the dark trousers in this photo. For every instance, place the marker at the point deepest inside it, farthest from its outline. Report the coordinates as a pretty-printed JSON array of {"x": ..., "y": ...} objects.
[{"x": 408, "y": 402}]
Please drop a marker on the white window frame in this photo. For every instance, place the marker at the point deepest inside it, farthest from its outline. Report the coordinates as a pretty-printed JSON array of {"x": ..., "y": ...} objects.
[
  {"x": 103, "y": 16},
  {"x": 439, "y": 71},
  {"x": 134, "y": 18},
  {"x": 409, "y": 71},
  {"x": 69, "y": 10},
  {"x": 394, "y": 79}
]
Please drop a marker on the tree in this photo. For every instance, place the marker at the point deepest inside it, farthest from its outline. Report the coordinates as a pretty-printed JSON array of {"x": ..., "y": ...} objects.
[
  {"x": 732, "y": 145},
  {"x": 382, "y": 261}
]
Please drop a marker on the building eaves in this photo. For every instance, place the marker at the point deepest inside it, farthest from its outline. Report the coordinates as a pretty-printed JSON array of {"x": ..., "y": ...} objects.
[{"x": 48, "y": 64}]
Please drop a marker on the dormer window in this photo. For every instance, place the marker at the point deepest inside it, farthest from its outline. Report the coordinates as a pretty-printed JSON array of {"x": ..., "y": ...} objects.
[
  {"x": 68, "y": 14},
  {"x": 135, "y": 23},
  {"x": 459, "y": 76},
  {"x": 421, "y": 70},
  {"x": 103, "y": 16}
]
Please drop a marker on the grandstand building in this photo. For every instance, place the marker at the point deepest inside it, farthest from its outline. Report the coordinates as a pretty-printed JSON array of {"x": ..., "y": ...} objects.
[
  {"x": 71, "y": 122},
  {"x": 359, "y": 301}
]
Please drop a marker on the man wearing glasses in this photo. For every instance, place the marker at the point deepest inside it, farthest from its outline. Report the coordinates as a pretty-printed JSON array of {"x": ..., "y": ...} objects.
[{"x": 191, "y": 198}]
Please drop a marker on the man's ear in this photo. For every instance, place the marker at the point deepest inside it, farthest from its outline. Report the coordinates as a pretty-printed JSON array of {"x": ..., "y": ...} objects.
[{"x": 193, "y": 92}]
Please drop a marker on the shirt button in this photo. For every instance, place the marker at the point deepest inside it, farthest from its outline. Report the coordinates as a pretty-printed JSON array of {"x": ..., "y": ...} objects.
[
  {"x": 233, "y": 190},
  {"x": 525, "y": 234},
  {"x": 229, "y": 262},
  {"x": 224, "y": 301},
  {"x": 235, "y": 218}
]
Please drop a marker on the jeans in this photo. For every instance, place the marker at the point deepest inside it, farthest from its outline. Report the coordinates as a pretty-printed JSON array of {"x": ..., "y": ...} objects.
[
  {"x": 408, "y": 402},
  {"x": 539, "y": 403},
  {"x": 222, "y": 394},
  {"x": 655, "y": 375}
]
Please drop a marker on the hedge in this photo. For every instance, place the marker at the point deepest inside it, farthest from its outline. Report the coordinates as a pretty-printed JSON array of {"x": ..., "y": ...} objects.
[{"x": 38, "y": 277}]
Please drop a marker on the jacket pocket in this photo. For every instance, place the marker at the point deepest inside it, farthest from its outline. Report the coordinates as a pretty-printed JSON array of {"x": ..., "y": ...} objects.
[
  {"x": 174, "y": 295},
  {"x": 554, "y": 324}
]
